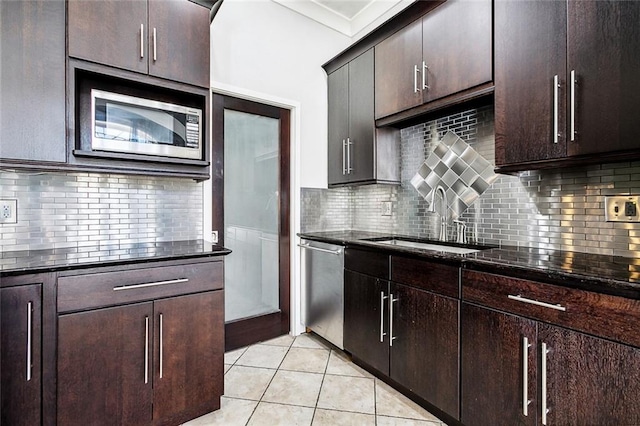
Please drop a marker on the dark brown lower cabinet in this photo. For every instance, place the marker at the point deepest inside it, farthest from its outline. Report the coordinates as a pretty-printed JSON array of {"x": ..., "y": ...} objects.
[
  {"x": 104, "y": 370},
  {"x": 158, "y": 362},
  {"x": 424, "y": 351},
  {"x": 20, "y": 362},
  {"x": 366, "y": 319},
  {"x": 507, "y": 360}
]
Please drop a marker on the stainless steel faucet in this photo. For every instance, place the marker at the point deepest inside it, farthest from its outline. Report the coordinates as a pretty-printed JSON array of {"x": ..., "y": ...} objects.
[
  {"x": 444, "y": 210},
  {"x": 461, "y": 232}
]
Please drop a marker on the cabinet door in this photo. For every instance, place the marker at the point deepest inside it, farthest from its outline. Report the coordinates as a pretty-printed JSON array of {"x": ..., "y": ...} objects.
[
  {"x": 188, "y": 356},
  {"x": 604, "y": 52},
  {"x": 424, "y": 355},
  {"x": 457, "y": 47},
  {"x": 104, "y": 366},
  {"x": 398, "y": 80},
  {"x": 109, "y": 32},
  {"x": 590, "y": 381},
  {"x": 179, "y": 41},
  {"x": 338, "y": 86},
  {"x": 32, "y": 80},
  {"x": 530, "y": 49},
  {"x": 361, "y": 119},
  {"x": 366, "y": 326},
  {"x": 495, "y": 368},
  {"x": 20, "y": 358}
]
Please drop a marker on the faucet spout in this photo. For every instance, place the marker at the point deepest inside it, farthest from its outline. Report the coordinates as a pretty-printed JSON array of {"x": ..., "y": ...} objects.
[{"x": 443, "y": 211}]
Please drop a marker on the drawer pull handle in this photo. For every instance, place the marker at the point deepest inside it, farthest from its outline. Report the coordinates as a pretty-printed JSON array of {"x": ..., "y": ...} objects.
[
  {"x": 308, "y": 247},
  {"x": 146, "y": 350},
  {"x": 161, "y": 347},
  {"x": 525, "y": 376},
  {"x": 153, "y": 284},
  {"x": 29, "y": 338},
  {"x": 519, "y": 298}
]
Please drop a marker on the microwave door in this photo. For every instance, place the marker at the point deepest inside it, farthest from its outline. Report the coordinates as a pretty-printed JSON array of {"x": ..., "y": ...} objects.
[{"x": 147, "y": 126}]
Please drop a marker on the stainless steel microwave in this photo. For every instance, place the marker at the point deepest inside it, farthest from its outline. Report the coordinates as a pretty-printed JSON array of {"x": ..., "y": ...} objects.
[{"x": 122, "y": 123}]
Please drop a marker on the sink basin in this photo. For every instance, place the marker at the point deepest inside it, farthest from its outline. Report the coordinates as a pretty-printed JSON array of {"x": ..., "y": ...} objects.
[{"x": 427, "y": 246}]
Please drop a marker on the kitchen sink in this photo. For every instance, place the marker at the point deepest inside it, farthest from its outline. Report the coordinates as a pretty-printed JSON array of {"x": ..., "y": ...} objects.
[{"x": 427, "y": 246}]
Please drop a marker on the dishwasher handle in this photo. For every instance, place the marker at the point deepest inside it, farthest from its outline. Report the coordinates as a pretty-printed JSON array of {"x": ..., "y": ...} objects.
[{"x": 308, "y": 247}]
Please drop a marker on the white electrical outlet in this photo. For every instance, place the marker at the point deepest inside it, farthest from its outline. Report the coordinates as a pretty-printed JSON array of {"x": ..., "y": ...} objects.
[
  {"x": 8, "y": 211},
  {"x": 386, "y": 208}
]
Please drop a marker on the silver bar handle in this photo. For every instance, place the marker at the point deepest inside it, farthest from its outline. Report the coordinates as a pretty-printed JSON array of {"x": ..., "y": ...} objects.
[
  {"x": 308, "y": 247},
  {"x": 556, "y": 108},
  {"x": 344, "y": 157},
  {"x": 391, "y": 336},
  {"x": 154, "y": 45},
  {"x": 161, "y": 348},
  {"x": 349, "y": 165},
  {"x": 382, "y": 299},
  {"x": 153, "y": 284},
  {"x": 141, "y": 40},
  {"x": 29, "y": 338},
  {"x": 525, "y": 376},
  {"x": 519, "y": 298},
  {"x": 573, "y": 105},
  {"x": 415, "y": 79},
  {"x": 146, "y": 350},
  {"x": 544, "y": 409},
  {"x": 425, "y": 81}
]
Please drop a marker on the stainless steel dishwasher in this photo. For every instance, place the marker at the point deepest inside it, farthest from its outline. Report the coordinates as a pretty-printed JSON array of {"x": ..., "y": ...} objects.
[{"x": 323, "y": 282}]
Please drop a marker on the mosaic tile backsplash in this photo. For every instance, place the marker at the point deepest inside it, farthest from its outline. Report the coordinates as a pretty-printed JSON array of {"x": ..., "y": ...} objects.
[
  {"x": 555, "y": 209},
  {"x": 67, "y": 210}
]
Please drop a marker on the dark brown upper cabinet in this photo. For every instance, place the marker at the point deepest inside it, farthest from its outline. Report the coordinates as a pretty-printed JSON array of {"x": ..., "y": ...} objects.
[
  {"x": 32, "y": 81},
  {"x": 166, "y": 39},
  {"x": 565, "y": 87},
  {"x": 358, "y": 152},
  {"x": 446, "y": 52}
]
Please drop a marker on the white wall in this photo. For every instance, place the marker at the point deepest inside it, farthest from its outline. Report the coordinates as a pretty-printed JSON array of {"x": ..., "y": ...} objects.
[{"x": 261, "y": 46}]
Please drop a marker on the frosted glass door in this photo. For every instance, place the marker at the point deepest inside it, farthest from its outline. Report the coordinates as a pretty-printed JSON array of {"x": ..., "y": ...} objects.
[{"x": 251, "y": 182}]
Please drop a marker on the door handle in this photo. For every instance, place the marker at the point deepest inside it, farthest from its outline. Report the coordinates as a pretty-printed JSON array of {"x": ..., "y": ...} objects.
[
  {"x": 556, "y": 112},
  {"x": 161, "y": 347},
  {"x": 574, "y": 82},
  {"x": 525, "y": 376},
  {"x": 349, "y": 165},
  {"x": 391, "y": 302},
  {"x": 344, "y": 157},
  {"x": 415, "y": 79},
  {"x": 425, "y": 77},
  {"x": 141, "y": 40},
  {"x": 155, "y": 50},
  {"x": 544, "y": 409},
  {"x": 382, "y": 299},
  {"x": 146, "y": 350},
  {"x": 29, "y": 339},
  {"x": 304, "y": 246}
]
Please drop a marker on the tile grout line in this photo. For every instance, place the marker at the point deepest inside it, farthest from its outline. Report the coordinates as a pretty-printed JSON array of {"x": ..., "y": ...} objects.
[{"x": 324, "y": 375}]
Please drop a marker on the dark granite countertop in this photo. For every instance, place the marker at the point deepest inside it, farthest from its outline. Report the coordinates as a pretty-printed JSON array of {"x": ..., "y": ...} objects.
[
  {"x": 110, "y": 254},
  {"x": 615, "y": 275}
]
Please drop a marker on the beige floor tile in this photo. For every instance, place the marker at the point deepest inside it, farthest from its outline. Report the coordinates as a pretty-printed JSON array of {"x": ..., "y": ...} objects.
[
  {"x": 355, "y": 394},
  {"x": 284, "y": 340},
  {"x": 392, "y": 403},
  {"x": 342, "y": 418},
  {"x": 247, "y": 382},
  {"x": 232, "y": 412},
  {"x": 306, "y": 359},
  {"x": 341, "y": 365},
  {"x": 227, "y": 367},
  {"x": 263, "y": 356},
  {"x": 397, "y": 421},
  {"x": 310, "y": 340},
  {"x": 294, "y": 388},
  {"x": 268, "y": 414},
  {"x": 232, "y": 356}
]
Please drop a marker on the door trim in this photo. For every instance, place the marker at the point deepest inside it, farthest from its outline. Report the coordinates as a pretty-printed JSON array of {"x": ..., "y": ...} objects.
[{"x": 246, "y": 331}]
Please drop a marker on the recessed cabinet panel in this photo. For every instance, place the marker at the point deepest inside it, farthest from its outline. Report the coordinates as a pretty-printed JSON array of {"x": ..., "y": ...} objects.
[
  {"x": 361, "y": 127},
  {"x": 338, "y": 86}
]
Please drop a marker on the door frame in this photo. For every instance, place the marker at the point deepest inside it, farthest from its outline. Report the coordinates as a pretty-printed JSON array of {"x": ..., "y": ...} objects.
[{"x": 246, "y": 331}]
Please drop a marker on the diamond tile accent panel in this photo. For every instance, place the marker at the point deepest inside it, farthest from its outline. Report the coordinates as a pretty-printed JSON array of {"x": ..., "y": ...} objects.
[{"x": 458, "y": 169}]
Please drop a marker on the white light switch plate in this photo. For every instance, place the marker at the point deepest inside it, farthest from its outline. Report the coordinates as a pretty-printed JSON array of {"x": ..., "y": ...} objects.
[
  {"x": 8, "y": 211},
  {"x": 622, "y": 208}
]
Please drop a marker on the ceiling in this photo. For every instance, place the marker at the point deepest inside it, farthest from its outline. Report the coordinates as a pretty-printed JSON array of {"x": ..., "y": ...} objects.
[{"x": 347, "y": 16}]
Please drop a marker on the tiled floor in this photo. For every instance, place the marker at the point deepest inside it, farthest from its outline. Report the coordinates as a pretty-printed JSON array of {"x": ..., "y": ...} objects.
[{"x": 301, "y": 381}]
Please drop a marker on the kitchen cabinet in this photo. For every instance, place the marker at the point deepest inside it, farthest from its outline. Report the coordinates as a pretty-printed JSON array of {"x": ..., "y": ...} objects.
[
  {"x": 446, "y": 52},
  {"x": 166, "y": 39},
  {"x": 21, "y": 354},
  {"x": 32, "y": 81},
  {"x": 520, "y": 366},
  {"x": 143, "y": 346},
  {"x": 358, "y": 152},
  {"x": 583, "y": 55},
  {"x": 406, "y": 328}
]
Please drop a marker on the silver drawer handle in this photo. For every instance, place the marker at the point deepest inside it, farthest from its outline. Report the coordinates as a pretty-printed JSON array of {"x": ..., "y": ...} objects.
[
  {"x": 543, "y": 406},
  {"x": 519, "y": 298},
  {"x": 146, "y": 350},
  {"x": 525, "y": 376},
  {"x": 153, "y": 284},
  {"x": 336, "y": 252},
  {"x": 161, "y": 348},
  {"x": 382, "y": 299},
  {"x": 29, "y": 338}
]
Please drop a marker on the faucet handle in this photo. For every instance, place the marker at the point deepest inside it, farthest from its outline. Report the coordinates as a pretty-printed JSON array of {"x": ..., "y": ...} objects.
[{"x": 461, "y": 232}]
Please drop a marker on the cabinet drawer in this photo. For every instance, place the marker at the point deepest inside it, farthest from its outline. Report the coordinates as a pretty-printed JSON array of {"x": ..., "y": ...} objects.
[
  {"x": 427, "y": 275},
  {"x": 369, "y": 262},
  {"x": 100, "y": 289},
  {"x": 602, "y": 315}
]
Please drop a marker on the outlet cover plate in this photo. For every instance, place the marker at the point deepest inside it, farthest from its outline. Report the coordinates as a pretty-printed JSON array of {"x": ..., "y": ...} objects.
[
  {"x": 622, "y": 208},
  {"x": 8, "y": 211},
  {"x": 387, "y": 207}
]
